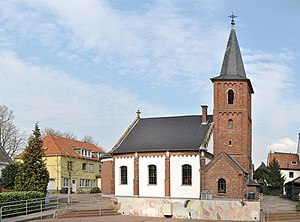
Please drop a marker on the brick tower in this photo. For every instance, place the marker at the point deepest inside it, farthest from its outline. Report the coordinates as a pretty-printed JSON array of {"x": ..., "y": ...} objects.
[{"x": 232, "y": 106}]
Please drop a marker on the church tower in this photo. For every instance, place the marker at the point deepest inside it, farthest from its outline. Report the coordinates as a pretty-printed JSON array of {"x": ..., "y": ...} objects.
[{"x": 232, "y": 106}]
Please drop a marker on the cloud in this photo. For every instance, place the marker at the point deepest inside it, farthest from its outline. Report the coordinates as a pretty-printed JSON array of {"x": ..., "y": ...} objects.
[
  {"x": 275, "y": 108},
  {"x": 55, "y": 99},
  {"x": 283, "y": 145},
  {"x": 159, "y": 44}
]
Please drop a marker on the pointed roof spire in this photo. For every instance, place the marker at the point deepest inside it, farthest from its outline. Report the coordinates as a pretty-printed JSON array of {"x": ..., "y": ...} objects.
[
  {"x": 233, "y": 62},
  {"x": 233, "y": 66}
]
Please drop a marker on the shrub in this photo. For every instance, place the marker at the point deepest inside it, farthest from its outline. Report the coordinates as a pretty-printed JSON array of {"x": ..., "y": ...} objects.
[
  {"x": 298, "y": 205},
  {"x": 95, "y": 190},
  {"x": 14, "y": 210},
  {"x": 17, "y": 196},
  {"x": 8, "y": 175}
]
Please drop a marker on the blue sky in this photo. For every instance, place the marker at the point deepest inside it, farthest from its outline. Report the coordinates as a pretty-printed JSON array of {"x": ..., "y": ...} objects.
[{"x": 86, "y": 66}]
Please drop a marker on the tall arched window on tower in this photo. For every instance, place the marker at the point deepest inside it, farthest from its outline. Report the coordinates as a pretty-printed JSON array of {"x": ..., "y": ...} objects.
[
  {"x": 186, "y": 174},
  {"x": 152, "y": 175},
  {"x": 230, "y": 96},
  {"x": 221, "y": 186}
]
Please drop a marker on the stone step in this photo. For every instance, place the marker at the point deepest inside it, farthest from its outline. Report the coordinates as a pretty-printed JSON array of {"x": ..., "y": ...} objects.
[
  {"x": 282, "y": 216},
  {"x": 88, "y": 213}
]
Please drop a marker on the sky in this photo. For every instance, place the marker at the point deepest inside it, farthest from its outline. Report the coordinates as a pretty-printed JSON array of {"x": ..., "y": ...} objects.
[{"x": 87, "y": 66}]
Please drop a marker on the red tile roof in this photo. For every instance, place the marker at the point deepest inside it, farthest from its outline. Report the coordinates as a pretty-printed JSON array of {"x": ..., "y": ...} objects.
[
  {"x": 285, "y": 160},
  {"x": 55, "y": 145}
]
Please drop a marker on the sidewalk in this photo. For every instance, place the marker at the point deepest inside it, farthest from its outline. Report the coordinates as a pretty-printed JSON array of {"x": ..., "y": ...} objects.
[
  {"x": 274, "y": 204},
  {"x": 123, "y": 218}
]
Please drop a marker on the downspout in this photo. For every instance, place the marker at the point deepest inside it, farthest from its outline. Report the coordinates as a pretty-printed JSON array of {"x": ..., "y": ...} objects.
[{"x": 57, "y": 174}]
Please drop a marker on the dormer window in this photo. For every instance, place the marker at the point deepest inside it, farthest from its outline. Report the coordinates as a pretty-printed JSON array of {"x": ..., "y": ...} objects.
[
  {"x": 294, "y": 162},
  {"x": 230, "y": 96},
  {"x": 85, "y": 152}
]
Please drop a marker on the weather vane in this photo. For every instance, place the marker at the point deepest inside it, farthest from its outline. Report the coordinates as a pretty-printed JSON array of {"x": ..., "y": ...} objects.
[{"x": 232, "y": 16}]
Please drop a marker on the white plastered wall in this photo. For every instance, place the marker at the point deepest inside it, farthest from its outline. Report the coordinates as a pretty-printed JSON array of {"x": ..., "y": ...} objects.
[
  {"x": 145, "y": 189},
  {"x": 124, "y": 189},
  {"x": 286, "y": 173},
  {"x": 185, "y": 191},
  {"x": 210, "y": 145}
]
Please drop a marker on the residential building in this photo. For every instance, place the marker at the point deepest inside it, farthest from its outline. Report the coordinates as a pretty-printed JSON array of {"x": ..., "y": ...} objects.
[
  {"x": 195, "y": 156},
  {"x": 71, "y": 159},
  {"x": 289, "y": 164},
  {"x": 4, "y": 160}
]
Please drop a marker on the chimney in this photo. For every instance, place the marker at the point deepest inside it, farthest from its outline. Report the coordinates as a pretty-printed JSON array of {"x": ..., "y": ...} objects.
[{"x": 204, "y": 114}]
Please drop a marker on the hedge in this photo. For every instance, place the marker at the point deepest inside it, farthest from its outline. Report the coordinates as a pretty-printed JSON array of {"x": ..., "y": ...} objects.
[
  {"x": 17, "y": 196},
  {"x": 31, "y": 196}
]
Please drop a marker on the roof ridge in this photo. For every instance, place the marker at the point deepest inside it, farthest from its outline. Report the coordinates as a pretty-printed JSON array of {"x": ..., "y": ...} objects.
[
  {"x": 162, "y": 117},
  {"x": 55, "y": 143}
]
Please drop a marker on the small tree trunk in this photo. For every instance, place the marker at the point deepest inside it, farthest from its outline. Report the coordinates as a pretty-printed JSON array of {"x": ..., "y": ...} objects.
[{"x": 69, "y": 189}]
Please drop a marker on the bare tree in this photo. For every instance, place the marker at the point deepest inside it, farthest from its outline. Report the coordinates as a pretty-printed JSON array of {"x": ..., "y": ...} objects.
[
  {"x": 11, "y": 139},
  {"x": 89, "y": 139},
  {"x": 66, "y": 134},
  {"x": 51, "y": 131}
]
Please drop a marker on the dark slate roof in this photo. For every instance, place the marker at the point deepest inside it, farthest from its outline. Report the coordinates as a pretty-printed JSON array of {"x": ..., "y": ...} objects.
[
  {"x": 233, "y": 66},
  {"x": 252, "y": 183},
  {"x": 185, "y": 133},
  {"x": 233, "y": 62},
  {"x": 4, "y": 157}
]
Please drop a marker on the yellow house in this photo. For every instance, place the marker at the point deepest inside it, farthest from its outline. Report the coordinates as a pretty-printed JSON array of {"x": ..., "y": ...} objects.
[{"x": 68, "y": 159}]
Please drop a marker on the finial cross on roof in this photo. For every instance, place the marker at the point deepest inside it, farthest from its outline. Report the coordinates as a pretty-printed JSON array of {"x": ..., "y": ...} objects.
[
  {"x": 138, "y": 112},
  {"x": 232, "y": 16}
]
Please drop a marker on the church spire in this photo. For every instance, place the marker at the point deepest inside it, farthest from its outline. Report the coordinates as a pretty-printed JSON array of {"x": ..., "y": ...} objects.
[
  {"x": 233, "y": 63},
  {"x": 233, "y": 66}
]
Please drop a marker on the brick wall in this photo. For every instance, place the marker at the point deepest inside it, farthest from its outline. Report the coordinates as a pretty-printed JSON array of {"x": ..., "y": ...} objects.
[
  {"x": 235, "y": 140},
  {"x": 223, "y": 169},
  {"x": 107, "y": 176}
]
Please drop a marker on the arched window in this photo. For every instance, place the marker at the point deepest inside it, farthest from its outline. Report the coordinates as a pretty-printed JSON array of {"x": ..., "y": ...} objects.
[
  {"x": 230, "y": 96},
  {"x": 186, "y": 174},
  {"x": 221, "y": 186},
  {"x": 152, "y": 174},
  {"x": 230, "y": 143},
  {"x": 123, "y": 172},
  {"x": 230, "y": 123}
]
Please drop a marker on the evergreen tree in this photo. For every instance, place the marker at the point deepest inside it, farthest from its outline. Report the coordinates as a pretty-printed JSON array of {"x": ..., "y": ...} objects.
[
  {"x": 33, "y": 174},
  {"x": 261, "y": 174},
  {"x": 8, "y": 175},
  {"x": 275, "y": 180}
]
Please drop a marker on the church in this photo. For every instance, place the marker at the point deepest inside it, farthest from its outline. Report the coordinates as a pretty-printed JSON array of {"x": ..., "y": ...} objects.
[{"x": 194, "y": 156}]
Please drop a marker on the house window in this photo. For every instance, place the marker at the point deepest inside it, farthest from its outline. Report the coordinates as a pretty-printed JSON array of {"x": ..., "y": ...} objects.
[
  {"x": 91, "y": 168},
  {"x": 230, "y": 143},
  {"x": 186, "y": 174},
  {"x": 221, "y": 186},
  {"x": 66, "y": 182},
  {"x": 82, "y": 182},
  {"x": 230, "y": 95},
  {"x": 84, "y": 166},
  {"x": 294, "y": 162},
  {"x": 87, "y": 183},
  {"x": 93, "y": 183},
  {"x": 291, "y": 174},
  {"x": 230, "y": 123},
  {"x": 123, "y": 174},
  {"x": 152, "y": 174}
]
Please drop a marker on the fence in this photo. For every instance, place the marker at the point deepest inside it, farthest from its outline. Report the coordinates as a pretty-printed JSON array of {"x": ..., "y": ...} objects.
[{"x": 26, "y": 207}]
